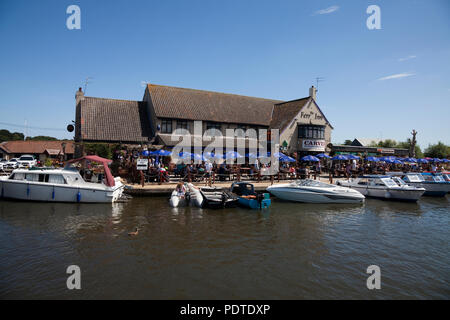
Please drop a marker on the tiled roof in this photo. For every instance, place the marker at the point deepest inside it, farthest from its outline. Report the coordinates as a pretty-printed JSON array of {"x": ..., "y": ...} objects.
[
  {"x": 283, "y": 113},
  {"x": 111, "y": 120},
  {"x": 35, "y": 147},
  {"x": 180, "y": 103}
]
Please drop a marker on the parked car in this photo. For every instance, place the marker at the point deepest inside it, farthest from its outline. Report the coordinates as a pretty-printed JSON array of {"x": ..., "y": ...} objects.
[
  {"x": 26, "y": 161},
  {"x": 2, "y": 163},
  {"x": 11, "y": 164}
]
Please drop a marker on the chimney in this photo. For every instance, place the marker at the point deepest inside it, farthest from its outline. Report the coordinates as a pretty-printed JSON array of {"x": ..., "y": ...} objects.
[
  {"x": 79, "y": 95},
  {"x": 312, "y": 92}
]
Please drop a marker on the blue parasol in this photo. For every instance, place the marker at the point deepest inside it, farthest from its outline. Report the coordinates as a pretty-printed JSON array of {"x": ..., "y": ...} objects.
[
  {"x": 310, "y": 158},
  {"x": 339, "y": 157},
  {"x": 372, "y": 159},
  {"x": 162, "y": 153},
  {"x": 323, "y": 155},
  {"x": 422, "y": 161},
  {"x": 352, "y": 157}
]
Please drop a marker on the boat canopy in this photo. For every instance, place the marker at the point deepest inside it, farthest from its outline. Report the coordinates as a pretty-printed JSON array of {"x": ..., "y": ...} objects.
[{"x": 109, "y": 178}]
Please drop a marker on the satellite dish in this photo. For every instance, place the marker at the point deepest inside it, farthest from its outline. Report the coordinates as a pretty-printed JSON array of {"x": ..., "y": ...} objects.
[{"x": 70, "y": 128}]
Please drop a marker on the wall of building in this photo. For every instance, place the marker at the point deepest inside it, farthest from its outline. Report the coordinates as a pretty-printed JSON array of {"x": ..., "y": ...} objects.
[{"x": 308, "y": 115}]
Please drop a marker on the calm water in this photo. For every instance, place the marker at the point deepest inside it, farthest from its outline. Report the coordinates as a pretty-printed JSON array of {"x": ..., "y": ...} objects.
[{"x": 292, "y": 251}]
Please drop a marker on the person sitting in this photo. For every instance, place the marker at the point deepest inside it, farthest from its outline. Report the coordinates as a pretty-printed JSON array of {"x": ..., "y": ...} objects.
[{"x": 181, "y": 190}]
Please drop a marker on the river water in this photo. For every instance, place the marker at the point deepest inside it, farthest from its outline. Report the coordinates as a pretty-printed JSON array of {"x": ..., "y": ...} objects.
[{"x": 290, "y": 251}]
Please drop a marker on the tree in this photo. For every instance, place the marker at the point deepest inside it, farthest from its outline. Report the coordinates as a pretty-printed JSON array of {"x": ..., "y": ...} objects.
[
  {"x": 407, "y": 145},
  {"x": 42, "y": 138},
  {"x": 5, "y": 135},
  {"x": 103, "y": 150},
  {"x": 348, "y": 142},
  {"x": 439, "y": 150}
]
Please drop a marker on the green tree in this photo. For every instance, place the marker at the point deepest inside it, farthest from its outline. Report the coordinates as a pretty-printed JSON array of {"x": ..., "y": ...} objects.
[
  {"x": 42, "y": 138},
  {"x": 407, "y": 144},
  {"x": 439, "y": 150},
  {"x": 103, "y": 150},
  {"x": 348, "y": 142},
  {"x": 5, "y": 135}
]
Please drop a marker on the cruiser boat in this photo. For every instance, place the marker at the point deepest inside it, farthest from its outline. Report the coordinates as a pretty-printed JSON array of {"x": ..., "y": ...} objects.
[
  {"x": 435, "y": 185},
  {"x": 313, "y": 191},
  {"x": 385, "y": 187},
  {"x": 248, "y": 197},
  {"x": 62, "y": 185}
]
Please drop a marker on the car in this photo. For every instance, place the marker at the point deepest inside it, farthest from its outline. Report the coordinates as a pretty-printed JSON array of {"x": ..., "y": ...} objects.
[
  {"x": 2, "y": 163},
  {"x": 26, "y": 161},
  {"x": 11, "y": 164}
]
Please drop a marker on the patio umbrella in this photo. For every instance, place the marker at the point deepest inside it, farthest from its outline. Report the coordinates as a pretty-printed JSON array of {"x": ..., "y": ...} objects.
[
  {"x": 145, "y": 153},
  {"x": 396, "y": 162},
  {"x": 410, "y": 160},
  {"x": 286, "y": 158},
  {"x": 310, "y": 158},
  {"x": 339, "y": 157},
  {"x": 422, "y": 161},
  {"x": 232, "y": 155},
  {"x": 436, "y": 160},
  {"x": 390, "y": 158},
  {"x": 445, "y": 160},
  {"x": 372, "y": 159},
  {"x": 161, "y": 152},
  {"x": 352, "y": 157},
  {"x": 323, "y": 155}
]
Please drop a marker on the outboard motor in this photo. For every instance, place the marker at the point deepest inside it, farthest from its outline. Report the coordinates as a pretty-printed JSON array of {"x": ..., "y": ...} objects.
[{"x": 260, "y": 198}]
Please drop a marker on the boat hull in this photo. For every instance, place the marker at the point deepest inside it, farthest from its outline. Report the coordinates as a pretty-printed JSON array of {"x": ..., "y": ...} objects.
[
  {"x": 254, "y": 204},
  {"x": 390, "y": 194},
  {"x": 433, "y": 189},
  {"x": 292, "y": 194},
  {"x": 44, "y": 192}
]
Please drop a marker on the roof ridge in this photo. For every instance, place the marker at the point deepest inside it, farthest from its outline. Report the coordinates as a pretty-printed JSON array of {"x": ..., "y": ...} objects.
[
  {"x": 209, "y": 91},
  {"x": 111, "y": 99}
]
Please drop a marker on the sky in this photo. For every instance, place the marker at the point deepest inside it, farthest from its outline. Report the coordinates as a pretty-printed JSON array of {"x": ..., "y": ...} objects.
[{"x": 379, "y": 83}]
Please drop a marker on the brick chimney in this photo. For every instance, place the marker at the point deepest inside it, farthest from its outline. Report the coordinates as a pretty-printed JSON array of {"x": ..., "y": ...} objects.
[
  {"x": 79, "y": 95},
  {"x": 313, "y": 92}
]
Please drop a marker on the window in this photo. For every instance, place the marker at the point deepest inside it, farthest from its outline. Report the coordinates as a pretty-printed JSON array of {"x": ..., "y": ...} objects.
[
  {"x": 166, "y": 126},
  {"x": 182, "y": 124},
  {"x": 311, "y": 132},
  {"x": 56, "y": 178}
]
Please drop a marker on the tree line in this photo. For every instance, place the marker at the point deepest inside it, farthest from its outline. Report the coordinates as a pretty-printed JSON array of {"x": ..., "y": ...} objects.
[
  {"x": 6, "y": 135},
  {"x": 437, "y": 150}
]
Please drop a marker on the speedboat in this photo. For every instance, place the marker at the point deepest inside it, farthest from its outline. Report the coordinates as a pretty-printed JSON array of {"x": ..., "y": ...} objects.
[
  {"x": 434, "y": 185},
  {"x": 313, "y": 191},
  {"x": 218, "y": 198},
  {"x": 384, "y": 187},
  {"x": 62, "y": 185},
  {"x": 248, "y": 197}
]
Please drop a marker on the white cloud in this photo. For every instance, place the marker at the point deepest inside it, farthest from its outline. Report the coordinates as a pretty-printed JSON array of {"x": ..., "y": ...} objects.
[
  {"x": 397, "y": 76},
  {"x": 407, "y": 58},
  {"x": 327, "y": 10}
]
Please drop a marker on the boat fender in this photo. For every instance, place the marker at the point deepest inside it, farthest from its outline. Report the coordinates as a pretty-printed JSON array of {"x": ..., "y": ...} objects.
[
  {"x": 53, "y": 193},
  {"x": 28, "y": 190},
  {"x": 78, "y": 196}
]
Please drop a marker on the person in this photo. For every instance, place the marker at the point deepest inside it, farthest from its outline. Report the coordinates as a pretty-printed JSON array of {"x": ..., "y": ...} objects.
[
  {"x": 433, "y": 167},
  {"x": 181, "y": 190},
  {"x": 208, "y": 169}
]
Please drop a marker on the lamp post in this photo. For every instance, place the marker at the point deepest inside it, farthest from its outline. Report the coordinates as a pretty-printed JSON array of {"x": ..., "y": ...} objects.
[{"x": 63, "y": 145}]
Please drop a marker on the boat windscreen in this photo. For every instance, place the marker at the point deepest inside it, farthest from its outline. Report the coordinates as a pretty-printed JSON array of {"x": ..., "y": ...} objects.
[
  {"x": 389, "y": 182},
  {"x": 312, "y": 183}
]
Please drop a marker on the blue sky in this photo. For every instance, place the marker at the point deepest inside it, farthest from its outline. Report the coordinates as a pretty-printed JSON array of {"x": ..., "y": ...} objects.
[{"x": 378, "y": 83}]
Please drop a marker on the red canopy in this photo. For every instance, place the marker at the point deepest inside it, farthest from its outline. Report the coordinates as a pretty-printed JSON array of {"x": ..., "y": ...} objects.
[{"x": 109, "y": 178}]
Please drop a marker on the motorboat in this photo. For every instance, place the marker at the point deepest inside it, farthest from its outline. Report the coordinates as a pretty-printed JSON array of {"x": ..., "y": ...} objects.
[
  {"x": 435, "y": 185},
  {"x": 218, "y": 198},
  {"x": 384, "y": 187},
  {"x": 62, "y": 185},
  {"x": 248, "y": 197},
  {"x": 312, "y": 191},
  {"x": 195, "y": 196}
]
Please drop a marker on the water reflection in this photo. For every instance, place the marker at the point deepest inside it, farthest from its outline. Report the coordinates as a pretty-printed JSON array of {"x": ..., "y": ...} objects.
[{"x": 288, "y": 251}]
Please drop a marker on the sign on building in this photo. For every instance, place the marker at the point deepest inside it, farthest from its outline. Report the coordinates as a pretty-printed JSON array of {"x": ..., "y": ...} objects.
[
  {"x": 142, "y": 164},
  {"x": 313, "y": 145}
]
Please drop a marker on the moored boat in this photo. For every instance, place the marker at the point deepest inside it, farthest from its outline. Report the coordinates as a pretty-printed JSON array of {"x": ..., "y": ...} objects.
[
  {"x": 248, "y": 197},
  {"x": 384, "y": 187},
  {"x": 218, "y": 198},
  {"x": 312, "y": 191},
  {"x": 62, "y": 185},
  {"x": 435, "y": 186}
]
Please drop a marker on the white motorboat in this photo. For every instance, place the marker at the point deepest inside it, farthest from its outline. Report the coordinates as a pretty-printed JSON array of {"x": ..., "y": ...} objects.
[
  {"x": 62, "y": 185},
  {"x": 195, "y": 196},
  {"x": 313, "y": 191},
  {"x": 385, "y": 187}
]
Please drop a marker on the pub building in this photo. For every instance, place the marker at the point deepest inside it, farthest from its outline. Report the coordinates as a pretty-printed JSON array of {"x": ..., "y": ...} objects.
[{"x": 148, "y": 124}]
